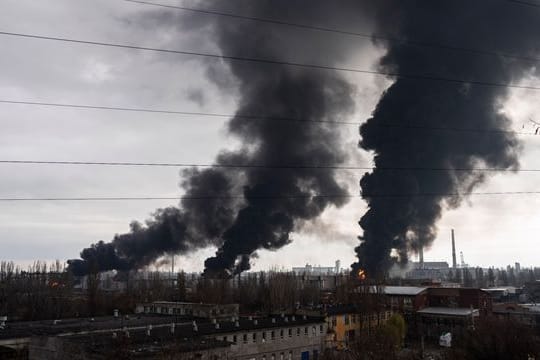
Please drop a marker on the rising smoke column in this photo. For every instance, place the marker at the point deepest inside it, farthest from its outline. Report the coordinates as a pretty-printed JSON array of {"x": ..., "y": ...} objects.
[
  {"x": 278, "y": 201},
  {"x": 206, "y": 210},
  {"x": 275, "y": 201},
  {"x": 406, "y": 222}
]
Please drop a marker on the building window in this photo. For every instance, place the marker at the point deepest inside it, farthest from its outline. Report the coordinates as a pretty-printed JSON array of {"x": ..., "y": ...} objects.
[
  {"x": 290, "y": 356},
  {"x": 245, "y": 338},
  {"x": 264, "y": 335},
  {"x": 321, "y": 329},
  {"x": 313, "y": 330},
  {"x": 234, "y": 339},
  {"x": 346, "y": 319},
  {"x": 297, "y": 331},
  {"x": 334, "y": 321},
  {"x": 264, "y": 357},
  {"x": 281, "y": 356},
  {"x": 273, "y": 334},
  {"x": 254, "y": 337},
  {"x": 305, "y": 330},
  {"x": 281, "y": 333},
  {"x": 273, "y": 357},
  {"x": 290, "y": 332}
]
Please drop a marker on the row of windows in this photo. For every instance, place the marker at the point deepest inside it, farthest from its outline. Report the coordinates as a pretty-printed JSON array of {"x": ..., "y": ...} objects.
[
  {"x": 288, "y": 356},
  {"x": 180, "y": 311},
  {"x": 272, "y": 335},
  {"x": 354, "y": 318}
]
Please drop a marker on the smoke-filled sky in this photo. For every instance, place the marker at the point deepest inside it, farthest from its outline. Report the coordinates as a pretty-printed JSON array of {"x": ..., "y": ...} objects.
[{"x": 489, "y": 230}]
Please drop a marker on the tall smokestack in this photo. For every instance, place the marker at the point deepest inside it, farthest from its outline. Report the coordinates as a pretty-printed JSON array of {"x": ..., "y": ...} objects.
[
  {"x": 421, "y": 257},
  {"x": 454, "y": 262}
]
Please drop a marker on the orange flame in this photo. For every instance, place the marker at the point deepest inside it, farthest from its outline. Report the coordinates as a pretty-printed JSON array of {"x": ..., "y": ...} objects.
[{"x": 361, "y": 275}]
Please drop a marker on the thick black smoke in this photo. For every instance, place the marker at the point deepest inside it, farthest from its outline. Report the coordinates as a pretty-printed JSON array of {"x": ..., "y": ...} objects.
[
  {"x": 198, "y": 224},
  {"x": 396, "y": 225},
  {"x": 275, "y": 201}
]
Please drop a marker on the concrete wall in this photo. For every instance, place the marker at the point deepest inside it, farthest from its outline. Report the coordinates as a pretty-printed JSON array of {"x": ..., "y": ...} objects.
[{"x": 289, "y": 342}]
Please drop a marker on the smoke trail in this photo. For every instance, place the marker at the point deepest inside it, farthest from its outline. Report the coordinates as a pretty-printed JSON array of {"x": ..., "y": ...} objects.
[
  {"x": 276, "y": 202},
  {"x": 406, "y": 223},
  {"x": 196, "y": 225}
]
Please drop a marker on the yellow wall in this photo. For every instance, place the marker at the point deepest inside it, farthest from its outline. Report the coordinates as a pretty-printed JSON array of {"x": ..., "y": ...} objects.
[{"x": 340, "y": 325}]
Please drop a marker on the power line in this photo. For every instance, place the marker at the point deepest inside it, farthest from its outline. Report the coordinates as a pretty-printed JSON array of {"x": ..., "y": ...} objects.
[
  {"x": 362, "y": 35},
  {"x": 173, "y": 112},
  {"x": 520, "y": 2},
  {"x": 269, "y": 197},
  {"x": 210, "y": 197},
  {"x": 257, "y": 117},
  {"x": 275, "y": 62},
  {"x": 259, "y": 166}
]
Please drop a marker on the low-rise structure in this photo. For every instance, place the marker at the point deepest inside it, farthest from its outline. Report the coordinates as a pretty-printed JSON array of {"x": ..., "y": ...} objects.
[
  {"x": 346, "y": 323},
  {"x": 200, "y": 310},
  {"x": 285, "y": 337},
  {"x": 405, "y": 299},
  {"x": 525, "y": 314},
  {"x": 436, "y": 321}
]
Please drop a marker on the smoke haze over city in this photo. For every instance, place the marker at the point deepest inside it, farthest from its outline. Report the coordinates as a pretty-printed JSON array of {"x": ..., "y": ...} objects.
[{"x": 235, "y": 219}]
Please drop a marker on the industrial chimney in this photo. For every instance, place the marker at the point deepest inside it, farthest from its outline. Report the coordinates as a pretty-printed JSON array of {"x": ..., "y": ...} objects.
[
  {"x": 421, "y": 257},
  {"x": 454, "y": 263}
]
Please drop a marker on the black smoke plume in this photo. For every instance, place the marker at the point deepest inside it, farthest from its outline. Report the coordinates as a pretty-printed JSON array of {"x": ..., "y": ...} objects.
[
  {"x": 198, "y": 224},
  {"x": 275, "y": 201},
  {"x": 396, "y": 225}
]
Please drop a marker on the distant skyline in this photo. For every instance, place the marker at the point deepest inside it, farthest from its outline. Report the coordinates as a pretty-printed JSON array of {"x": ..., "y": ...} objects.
[{"x": 490, "y": 230}]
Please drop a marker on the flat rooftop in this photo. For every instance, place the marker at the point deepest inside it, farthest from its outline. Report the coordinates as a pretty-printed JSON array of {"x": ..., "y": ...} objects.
[
  {"x": 107, "y": 325},
  {"x": 443, "y": 311},
  {"x": 76, "y": 325},
  {"x": 177, "y": 303},
  {"x": 403, "y": 290}
]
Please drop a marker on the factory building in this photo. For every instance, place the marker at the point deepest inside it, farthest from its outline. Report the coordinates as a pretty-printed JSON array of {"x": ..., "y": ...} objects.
[{"x": 318, "y": 270}]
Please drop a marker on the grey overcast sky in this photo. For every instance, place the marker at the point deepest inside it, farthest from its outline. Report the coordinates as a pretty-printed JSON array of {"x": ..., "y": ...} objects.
[{"x": 491, "y": 230}]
